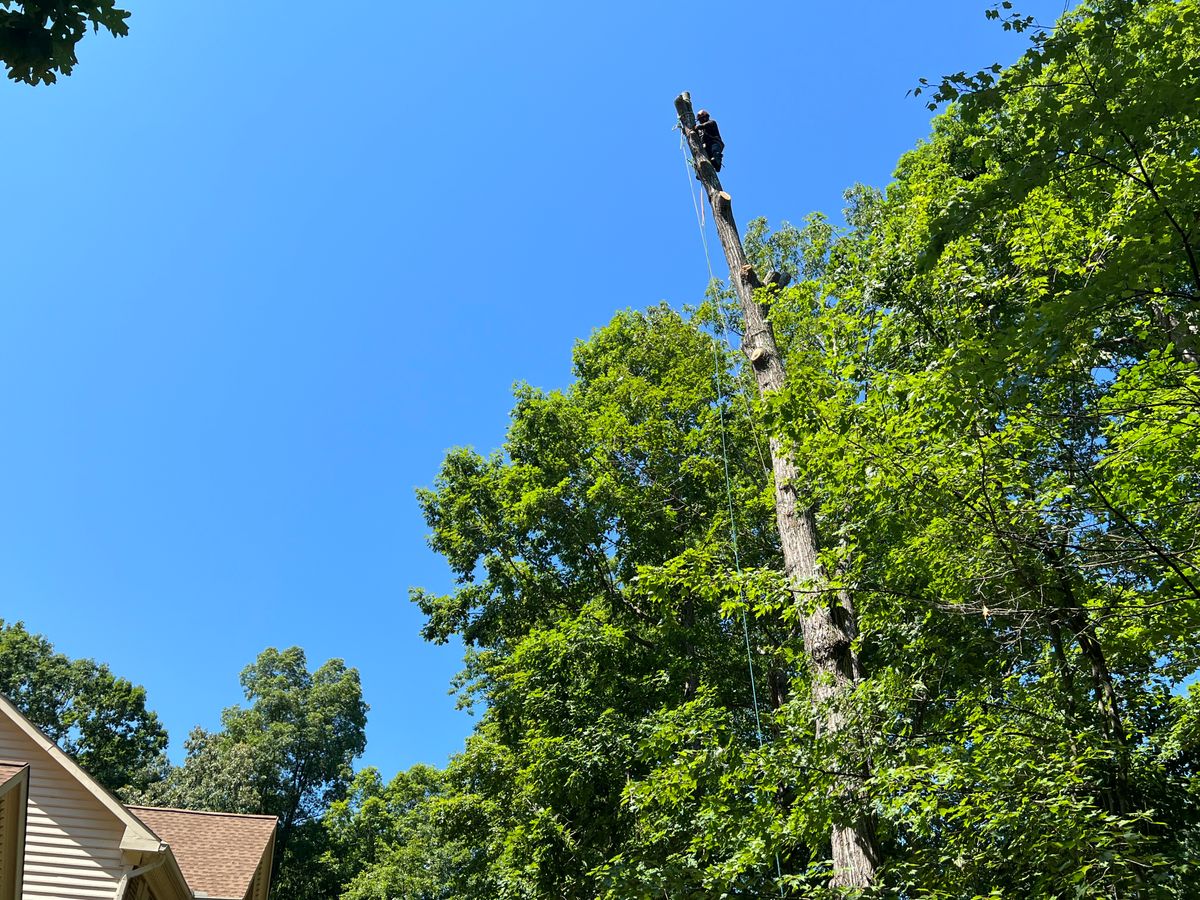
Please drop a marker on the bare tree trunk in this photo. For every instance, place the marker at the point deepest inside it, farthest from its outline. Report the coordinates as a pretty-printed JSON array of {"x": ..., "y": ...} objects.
[
  {"x": 1184, "y": 335},
  {"x": 691, "y": 677},
  {"x": 830, "y": 625}
]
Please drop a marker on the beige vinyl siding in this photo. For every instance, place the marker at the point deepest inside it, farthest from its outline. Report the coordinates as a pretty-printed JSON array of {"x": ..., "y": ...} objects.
[{"x": 72, "y": 843}]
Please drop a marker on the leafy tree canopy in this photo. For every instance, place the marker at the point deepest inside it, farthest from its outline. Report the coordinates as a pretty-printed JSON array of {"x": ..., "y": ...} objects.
[
  {"x": 992, "y": 401},
  {"x": 38, "y": 37},
  {"x": 288, "y": 754},
  {"x": 98, "y": 718}
]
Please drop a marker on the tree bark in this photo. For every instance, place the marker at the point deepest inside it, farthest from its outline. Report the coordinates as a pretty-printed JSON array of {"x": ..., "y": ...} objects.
[{"x": 828, "y": 624}]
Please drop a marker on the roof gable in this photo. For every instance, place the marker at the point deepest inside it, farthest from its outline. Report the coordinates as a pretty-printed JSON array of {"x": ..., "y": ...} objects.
[
  {"x": 224, "y": 856},
  {"x": 81, "y": 843},
  {"x": 137, "y": 836}
]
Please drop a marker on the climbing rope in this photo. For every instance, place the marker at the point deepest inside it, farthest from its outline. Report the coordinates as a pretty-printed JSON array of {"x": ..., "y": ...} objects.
[
  {"x": 723, "y": 330},
  {"x": 698, "y": 205},
  {"x": 721, "y": 397}
]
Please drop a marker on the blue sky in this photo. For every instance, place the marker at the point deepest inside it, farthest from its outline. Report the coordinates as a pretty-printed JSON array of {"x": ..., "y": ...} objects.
[{"x": 266, "y": 262}]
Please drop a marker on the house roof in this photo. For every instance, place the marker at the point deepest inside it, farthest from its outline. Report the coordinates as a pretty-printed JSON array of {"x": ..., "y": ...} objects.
[
  {"x": 137, "y": 836},
  {"x": 9, "y": 770},
  {"x": 241, "y": 843},
  {"x": 219, "y": 853}
]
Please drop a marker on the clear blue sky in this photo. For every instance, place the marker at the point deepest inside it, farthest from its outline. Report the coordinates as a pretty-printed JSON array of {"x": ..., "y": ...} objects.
[{"x": 265, "y": 262}]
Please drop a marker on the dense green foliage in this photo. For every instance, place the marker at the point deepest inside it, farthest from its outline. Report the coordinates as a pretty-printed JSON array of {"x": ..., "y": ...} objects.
[
  {"x": 98, "y": 718},
  {"x": 994, "y": 403},
  {"x": 287, "y": 754},
  {"x": 1000, "y": 421},
  {"x": 38, "y": 37},
  {"x": 594, "y": 564},
  {"x": 993, "y": 400}
]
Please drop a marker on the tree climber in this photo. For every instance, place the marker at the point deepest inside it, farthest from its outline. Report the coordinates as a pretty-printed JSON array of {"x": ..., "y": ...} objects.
[{"x": 710, "y": 138}]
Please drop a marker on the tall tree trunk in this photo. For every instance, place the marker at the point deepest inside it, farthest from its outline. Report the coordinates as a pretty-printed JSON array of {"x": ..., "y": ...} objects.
[
  {"x": 1079, "y": 620},
  {"x": 829, "y": 627},
  {"x": 691, "y": 676}
]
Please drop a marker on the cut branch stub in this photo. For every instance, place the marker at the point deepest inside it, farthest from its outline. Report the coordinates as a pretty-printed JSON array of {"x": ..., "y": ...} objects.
[{"x": 750, "y": 276}]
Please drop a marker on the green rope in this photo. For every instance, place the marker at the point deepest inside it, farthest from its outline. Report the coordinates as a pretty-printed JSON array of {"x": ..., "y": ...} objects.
[
  {"x": 721, "y": 396},
  {"x": 698, "y": 204}
]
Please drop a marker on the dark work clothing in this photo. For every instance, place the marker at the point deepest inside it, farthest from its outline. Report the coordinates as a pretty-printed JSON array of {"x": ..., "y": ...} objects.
[
  {"x": 710, "y": 140},
  {"x": 708, "y": 131}
]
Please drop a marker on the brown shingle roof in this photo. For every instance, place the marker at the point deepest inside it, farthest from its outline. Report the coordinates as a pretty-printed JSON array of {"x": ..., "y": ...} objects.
[
  {"x": 218, "y": 853},
  {"x": 9, "y": 769}
]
